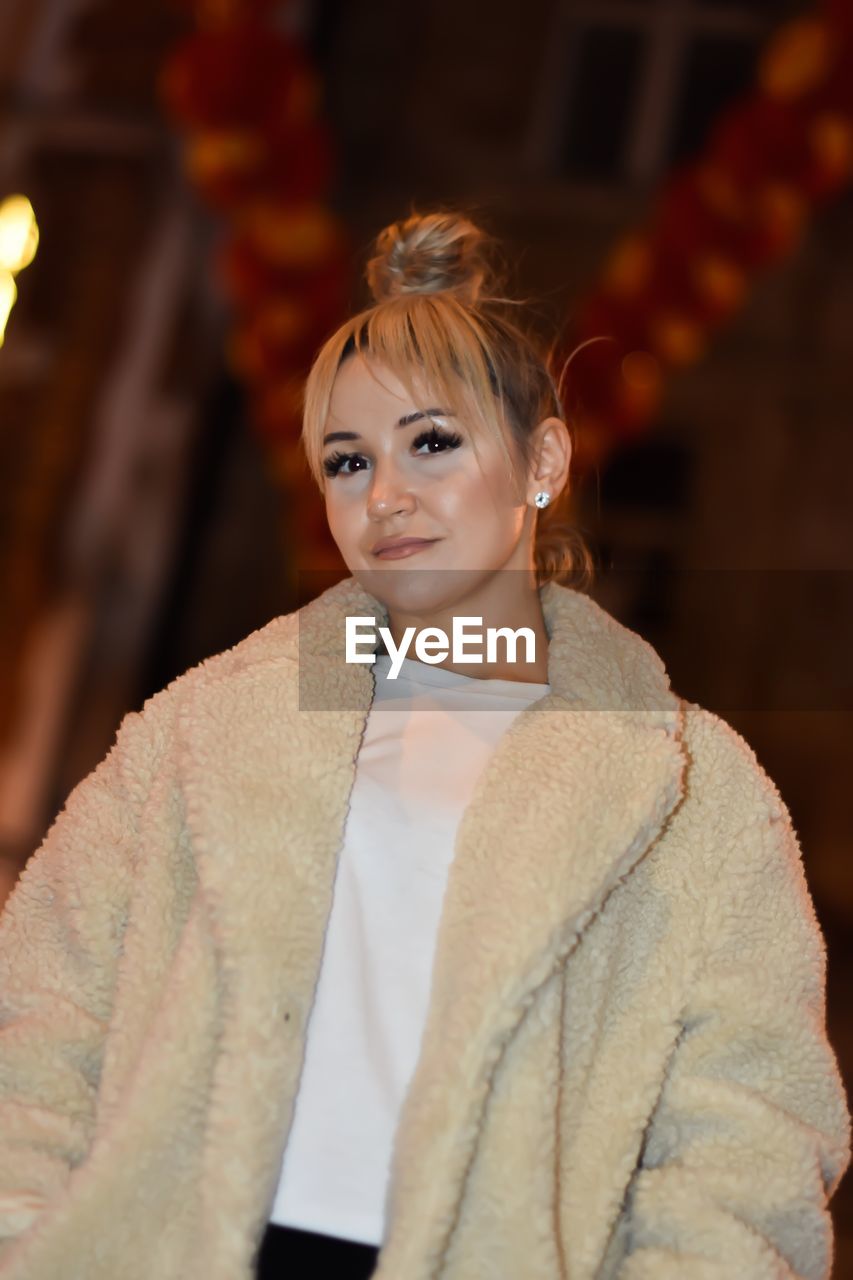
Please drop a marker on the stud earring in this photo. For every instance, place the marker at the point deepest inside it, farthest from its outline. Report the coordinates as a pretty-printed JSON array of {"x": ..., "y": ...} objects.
[{"x": 542, "y": 498}]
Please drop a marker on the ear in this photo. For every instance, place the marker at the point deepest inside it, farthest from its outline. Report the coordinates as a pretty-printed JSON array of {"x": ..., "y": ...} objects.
[{"x": 551, "y": 458}]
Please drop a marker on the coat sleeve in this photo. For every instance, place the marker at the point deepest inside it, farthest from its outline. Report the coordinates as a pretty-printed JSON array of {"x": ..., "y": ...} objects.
[
  {"x": 60, "y": 937},
  {"x": 751, "y": 1134}
]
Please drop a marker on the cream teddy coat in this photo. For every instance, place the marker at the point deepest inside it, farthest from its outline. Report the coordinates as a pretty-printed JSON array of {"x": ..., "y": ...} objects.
[{"x": 624, "y": 1074}]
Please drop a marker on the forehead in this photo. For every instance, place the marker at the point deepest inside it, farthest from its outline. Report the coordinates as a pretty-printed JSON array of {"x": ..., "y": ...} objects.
[
  {"x": 363, "y": 386},
  {"x": 366, "y": 395}
]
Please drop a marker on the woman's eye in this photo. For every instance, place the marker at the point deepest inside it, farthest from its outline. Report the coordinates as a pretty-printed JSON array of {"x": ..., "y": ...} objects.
[
  {"x": 336, "y": 461},
  {"x": 437, "y": 441}
]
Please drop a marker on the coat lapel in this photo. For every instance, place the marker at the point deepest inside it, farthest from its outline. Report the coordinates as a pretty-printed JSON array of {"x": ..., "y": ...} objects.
[{"x": 574, "y": 794}]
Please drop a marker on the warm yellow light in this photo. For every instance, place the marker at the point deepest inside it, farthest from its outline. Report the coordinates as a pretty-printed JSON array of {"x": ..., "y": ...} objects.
[
  {"x": 19, "y": 233},
  {"x": 8, "y": 294}
]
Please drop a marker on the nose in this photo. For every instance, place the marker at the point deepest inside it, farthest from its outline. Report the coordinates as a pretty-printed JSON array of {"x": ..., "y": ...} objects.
[{"x": 388, "y": 494}]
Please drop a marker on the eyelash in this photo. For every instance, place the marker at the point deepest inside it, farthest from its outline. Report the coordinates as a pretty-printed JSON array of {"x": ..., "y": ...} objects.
[{"x": 450, "y": 439}]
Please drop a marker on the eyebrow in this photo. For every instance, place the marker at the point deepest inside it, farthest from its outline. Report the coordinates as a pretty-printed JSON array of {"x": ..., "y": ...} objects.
[{"x": 403, "y": 422}]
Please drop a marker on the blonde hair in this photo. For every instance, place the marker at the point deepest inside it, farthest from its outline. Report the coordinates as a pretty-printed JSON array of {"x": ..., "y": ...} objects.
[{"x": 437, "y": 314}]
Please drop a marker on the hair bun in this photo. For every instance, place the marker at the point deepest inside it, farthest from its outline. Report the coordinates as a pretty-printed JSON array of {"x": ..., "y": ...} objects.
[{"x": 429, "y": 253}]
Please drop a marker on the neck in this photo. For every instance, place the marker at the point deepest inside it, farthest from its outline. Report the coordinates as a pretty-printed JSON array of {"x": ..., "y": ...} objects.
[{"x": 499, "y": 607}]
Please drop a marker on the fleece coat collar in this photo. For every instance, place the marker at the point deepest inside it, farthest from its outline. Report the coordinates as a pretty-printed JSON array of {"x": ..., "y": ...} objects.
[{"x": 268, "y": 742}]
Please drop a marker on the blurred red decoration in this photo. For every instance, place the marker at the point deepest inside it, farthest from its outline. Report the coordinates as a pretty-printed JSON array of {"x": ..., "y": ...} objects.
[
  {"x": 796, "y": 59},
  {"x": 245, "y": 73},
  {"x": 231, "y": 167},
  {"x": 830, "y": 138},
  {"x": 248, "y": 101},
  {"x": 740, "y": 205}
]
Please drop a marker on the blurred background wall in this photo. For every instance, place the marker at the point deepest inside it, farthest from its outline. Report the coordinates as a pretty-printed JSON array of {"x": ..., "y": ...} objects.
[{"x": 153, "y": 509}]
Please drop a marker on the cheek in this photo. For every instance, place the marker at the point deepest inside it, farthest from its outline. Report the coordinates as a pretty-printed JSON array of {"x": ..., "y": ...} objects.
[
  {"x": 339, "y": 515},
  {"x": 475, "y": 497},
  {"x": 344, "y": 501}
]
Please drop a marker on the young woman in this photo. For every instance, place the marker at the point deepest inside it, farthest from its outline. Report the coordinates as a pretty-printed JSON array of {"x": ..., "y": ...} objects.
[{"x": 387, "y": 961}]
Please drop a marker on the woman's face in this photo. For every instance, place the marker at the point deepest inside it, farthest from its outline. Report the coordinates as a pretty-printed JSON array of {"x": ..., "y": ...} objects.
[{"x": 421, "y": 479}]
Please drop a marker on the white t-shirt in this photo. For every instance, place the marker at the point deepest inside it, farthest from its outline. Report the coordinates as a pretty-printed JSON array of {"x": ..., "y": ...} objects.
[{"x": 427, "y": 738}]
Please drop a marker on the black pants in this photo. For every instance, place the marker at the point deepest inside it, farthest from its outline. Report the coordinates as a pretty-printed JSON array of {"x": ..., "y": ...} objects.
[{"x": 287, "y": 1253}]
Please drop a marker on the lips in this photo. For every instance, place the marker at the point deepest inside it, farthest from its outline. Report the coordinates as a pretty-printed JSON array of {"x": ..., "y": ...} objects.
[{"x": 402, "y": 547}]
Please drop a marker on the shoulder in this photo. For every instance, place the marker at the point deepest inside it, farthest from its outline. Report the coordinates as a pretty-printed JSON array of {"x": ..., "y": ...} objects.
[
  {"x": 149, "y": 731},
  {"x": 738, "y": 827},
  {"x": 724, "y": 768}
]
